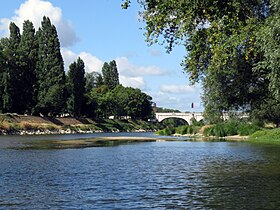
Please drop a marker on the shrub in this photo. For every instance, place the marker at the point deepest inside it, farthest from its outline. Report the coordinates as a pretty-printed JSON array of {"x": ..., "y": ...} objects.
[
  {"x": 169, "y": 131},
  {"x": 182, "y": 130},
  {"x": 215, "y": 130},
  {"x": 219, "y": 130},
  {"x": 245, "y": 129},
  {"x": 231, "y": 128},
  {"x": 5, "y": 126},
  {"x": 266, "y": 136}
]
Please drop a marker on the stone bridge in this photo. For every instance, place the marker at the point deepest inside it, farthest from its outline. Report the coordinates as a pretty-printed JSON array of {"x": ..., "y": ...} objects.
[{"x": 185, "y": 116}]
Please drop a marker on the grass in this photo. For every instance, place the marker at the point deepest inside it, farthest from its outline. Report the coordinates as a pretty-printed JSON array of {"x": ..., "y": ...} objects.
[{"x": 269, "y": 136}]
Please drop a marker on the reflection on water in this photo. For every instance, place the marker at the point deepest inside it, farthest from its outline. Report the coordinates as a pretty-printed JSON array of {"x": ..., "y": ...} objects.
[{"x": 161, "y": 175}]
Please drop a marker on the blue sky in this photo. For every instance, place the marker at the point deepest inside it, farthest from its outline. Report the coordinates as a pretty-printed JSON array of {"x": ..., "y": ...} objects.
[{"x": 100, "y": 31}]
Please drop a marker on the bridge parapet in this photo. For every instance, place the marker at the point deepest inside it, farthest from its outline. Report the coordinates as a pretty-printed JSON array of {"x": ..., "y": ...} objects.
[{"x": 185, "y": 116}]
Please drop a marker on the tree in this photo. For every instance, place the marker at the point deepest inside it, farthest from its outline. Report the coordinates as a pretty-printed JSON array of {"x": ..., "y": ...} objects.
[
  {"x": 49, "y": 71},
  {"x": 27, "y": 51},
  {"x": 128, "y": 101},
  {"x": 232, "y": 47},
  {"x": 268, "y": 43},
  {"x": 110, "y": 74},
  {"x": 2, "y": 75},
  {"x": 93, "y": 80},
  {"x": 12, "y": 74},
  {"x": 76, "y": 87}
]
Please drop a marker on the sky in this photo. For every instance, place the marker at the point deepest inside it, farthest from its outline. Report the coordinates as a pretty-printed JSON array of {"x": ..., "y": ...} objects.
[{"x": 100, "y": 31}]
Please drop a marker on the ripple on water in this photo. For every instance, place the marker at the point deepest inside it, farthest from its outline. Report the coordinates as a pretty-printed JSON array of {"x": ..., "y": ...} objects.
[{"x": 162, "y": 175}]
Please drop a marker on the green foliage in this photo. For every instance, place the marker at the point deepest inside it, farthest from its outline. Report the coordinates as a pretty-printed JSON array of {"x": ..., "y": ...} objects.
[
  {"x": 268, "y": 111},
  {"x": 247, "y": 129},
  {"x": 168, "y": 131},
  {"x": 232, "y": 48},
  {"x": 17, "y": 64},
  {"x": 173, "y": 122},
  {"x": 50, "y": 91},
  {"x": 230, "y": 128},
  {"x": 12, "y": 75},
  {"x": 217, "y": 130},
  {"x": 268, "y": 43},
  {"x": 93, "y": 80},
  {"x": 197, "y": 123},
  {"x": 110, "y": 74},
  {"x": 33, "y": 81},
  {"x": 76, "y": 88},
  {"x": 121, "y": 102},
  {"x": 271, "y": 136},
  {"x": 28, "y": 50},
  {"x": 187, "y": 129}
]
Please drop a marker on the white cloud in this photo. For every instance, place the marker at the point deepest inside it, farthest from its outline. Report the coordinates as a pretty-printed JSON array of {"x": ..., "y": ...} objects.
[
  {"x": 177, "y": 89},
  {"x": 35, "y": 10},
  {"x": 135, "y": 82},
  {"x": 127, "y": 68},
  {"x": 92, "y": 63}
]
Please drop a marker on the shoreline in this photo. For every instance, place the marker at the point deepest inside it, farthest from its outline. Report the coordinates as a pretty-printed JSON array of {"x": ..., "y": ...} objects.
[
  {"x": 34, "y": 125},
  {"x": 205, "y": 138},
  {"x": 64, "y": 132}
]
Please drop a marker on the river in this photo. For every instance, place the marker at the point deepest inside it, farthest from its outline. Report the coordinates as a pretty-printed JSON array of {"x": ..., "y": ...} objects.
[{"x": 142, "y": 175}]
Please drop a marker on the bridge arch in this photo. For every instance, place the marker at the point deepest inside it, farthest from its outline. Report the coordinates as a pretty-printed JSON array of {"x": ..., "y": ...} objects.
[{"x": 185, "y": 116}]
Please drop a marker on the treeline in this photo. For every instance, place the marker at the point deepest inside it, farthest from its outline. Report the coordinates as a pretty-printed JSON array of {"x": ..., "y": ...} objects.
[{"x": 33, "y": 80}]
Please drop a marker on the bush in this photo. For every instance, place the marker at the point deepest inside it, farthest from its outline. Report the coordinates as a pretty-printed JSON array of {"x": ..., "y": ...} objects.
[
  {"x": 182, "y": 130},
  {"x": 266, "y": 136},
  {"x": 231, "y": 128},
  {"x": 166, "y": 131},
  {"x": 160, "y": 132},
  {"x": 169, "y": 131},
  {"x": 219, "y": 130},
  {"x": 215, "y": 130},
  {"x": 246, "y": 129}
]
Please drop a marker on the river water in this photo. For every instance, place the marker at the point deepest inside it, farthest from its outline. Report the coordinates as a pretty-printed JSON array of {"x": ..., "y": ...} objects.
[{"x": 143, "y": 175}]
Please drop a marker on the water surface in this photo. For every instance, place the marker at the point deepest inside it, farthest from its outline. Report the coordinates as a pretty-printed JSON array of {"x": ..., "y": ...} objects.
[{"x": 145, "y": 175}]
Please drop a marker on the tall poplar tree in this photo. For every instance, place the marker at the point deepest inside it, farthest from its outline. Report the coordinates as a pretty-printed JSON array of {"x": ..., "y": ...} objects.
[
  {"x": 110, "y": 74},
  {"x": 2, "y": 73},
  {"x": 12, "y": 77},
  {"x": 27, "y": 51},
  {"x": 76, "y": 88},
  {"x": 50, "y": 71}
]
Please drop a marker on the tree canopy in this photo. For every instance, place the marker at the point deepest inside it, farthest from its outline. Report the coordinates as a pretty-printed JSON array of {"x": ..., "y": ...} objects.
[{"x": 232, "y": 47}]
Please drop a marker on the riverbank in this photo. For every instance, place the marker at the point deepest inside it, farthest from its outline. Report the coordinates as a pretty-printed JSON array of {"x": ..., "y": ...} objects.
[
  {"x": 266, "y": 136},
  {"x": 13, "y": 124}
]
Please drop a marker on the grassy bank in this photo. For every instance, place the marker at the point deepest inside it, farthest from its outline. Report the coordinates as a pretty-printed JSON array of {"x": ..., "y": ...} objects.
[
  {"x": 231, "y": 128},
  {"x": 19, "y": 124},
  {"x": 268, "y": 136},
  {"x": 228, "y": 128}
]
